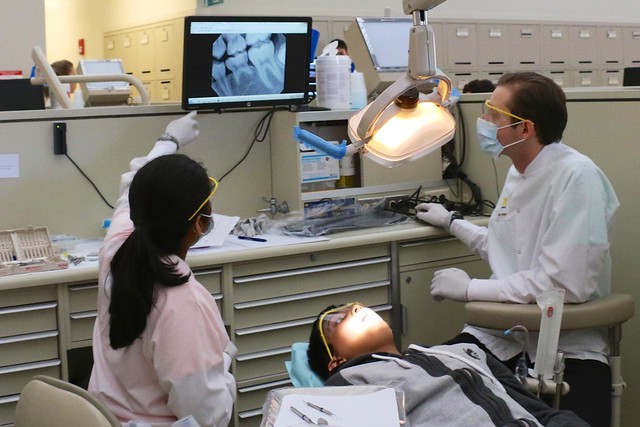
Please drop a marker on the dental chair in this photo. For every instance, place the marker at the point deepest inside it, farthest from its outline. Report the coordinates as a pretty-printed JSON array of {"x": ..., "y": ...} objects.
[
  {"x": 51, "y": 402},
  {"x": 610, "y": 311}
]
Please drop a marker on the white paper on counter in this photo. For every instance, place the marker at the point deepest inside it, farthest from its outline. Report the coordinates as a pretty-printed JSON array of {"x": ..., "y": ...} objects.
[{"x": 222, "y": 226}]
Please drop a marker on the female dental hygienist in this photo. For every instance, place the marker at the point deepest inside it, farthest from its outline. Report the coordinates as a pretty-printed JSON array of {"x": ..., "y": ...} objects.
[{"x": 160, "y": 349}]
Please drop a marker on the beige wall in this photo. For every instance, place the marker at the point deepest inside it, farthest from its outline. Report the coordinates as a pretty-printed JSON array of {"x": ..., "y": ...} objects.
[{"x": 21, "y": 27}]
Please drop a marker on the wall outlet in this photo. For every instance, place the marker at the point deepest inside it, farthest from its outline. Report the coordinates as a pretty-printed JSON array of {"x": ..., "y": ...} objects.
[
  {"x": 435, "y": 193},
  {"x": 393, "y": 202}
]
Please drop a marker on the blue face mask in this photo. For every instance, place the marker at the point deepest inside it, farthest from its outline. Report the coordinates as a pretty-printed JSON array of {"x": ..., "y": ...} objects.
[{"x": 488, "y": 137}]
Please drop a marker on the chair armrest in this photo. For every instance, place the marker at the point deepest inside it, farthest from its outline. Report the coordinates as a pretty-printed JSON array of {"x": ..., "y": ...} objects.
[{"x": 606, "y": 311}]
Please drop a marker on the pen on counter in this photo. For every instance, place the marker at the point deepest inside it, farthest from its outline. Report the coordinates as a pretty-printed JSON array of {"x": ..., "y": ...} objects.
[
  {"x": 253, "y": 239},
  {"x": 301, "y": 415},
  {"x": 319, "y": 408}
]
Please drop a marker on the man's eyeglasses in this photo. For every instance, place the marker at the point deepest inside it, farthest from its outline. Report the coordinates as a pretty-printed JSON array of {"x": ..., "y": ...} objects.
[
  {"x": 332, "y": 318},
  {"x": 213, "y": 191},
  {"x": 488, "y": 108}
]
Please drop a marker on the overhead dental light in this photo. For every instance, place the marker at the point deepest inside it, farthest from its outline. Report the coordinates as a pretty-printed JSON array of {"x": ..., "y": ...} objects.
[{"x": 401, "y": 124}]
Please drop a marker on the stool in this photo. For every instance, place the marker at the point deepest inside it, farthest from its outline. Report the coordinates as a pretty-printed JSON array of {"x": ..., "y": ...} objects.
[{"x": 610, "y": 311}]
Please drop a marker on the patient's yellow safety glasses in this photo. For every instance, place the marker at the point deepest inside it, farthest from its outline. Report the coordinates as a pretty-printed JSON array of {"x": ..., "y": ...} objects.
[
  {"x": 213, "y": 191},
  {"x": 490, "y": 110},
  {"x": 332, "y": 318}
]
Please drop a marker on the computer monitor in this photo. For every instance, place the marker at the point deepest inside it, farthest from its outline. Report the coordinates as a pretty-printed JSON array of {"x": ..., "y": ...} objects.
[
  {"x": 379, "y": 48},
  {"x": 239, "y": 62},
  {"x": 631, "y": 76},
  {"x": 20, "y": 94},
  {"x": 103, "y": 93}
]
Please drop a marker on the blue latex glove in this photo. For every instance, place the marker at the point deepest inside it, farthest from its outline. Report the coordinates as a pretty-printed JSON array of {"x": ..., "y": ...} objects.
[{"x": 450, "y": 283}]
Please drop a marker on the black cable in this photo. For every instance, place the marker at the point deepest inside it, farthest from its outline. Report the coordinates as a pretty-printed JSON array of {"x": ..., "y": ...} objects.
[
  {"x": 259, "y": 135},
  {"x": 89, "y": 179}
]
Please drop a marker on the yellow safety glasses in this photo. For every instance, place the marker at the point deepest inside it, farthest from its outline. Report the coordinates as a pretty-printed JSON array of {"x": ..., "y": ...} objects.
[
  {"x": 332, "y": 318},
  {"x": 488, "y": 106},
  {"x": 215, "y": 188}
]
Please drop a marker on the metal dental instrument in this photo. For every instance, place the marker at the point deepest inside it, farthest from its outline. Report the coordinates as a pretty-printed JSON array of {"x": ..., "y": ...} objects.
[
  {"x": 301, "y": 415},
  {"x": 319, "y": 408}
]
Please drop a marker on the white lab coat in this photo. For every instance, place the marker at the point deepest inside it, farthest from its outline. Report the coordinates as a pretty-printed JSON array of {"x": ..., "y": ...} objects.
[
  {"x": 180, "y": 364},
  {"x": 550, "y": 228}
]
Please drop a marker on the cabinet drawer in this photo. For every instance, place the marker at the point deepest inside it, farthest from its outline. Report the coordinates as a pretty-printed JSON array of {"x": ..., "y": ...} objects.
[
  {"x": 250, "y": 418},
  {"x": 252, "y": 398},
  {"x": 25, "y": 319},
  {"x": 83, "y": 297},
  {"x": 211, "y": 279},
  {"x": 8, "y": 409},
  {"x": 310, "y": 260},
  {"x": 300, "y": 306},
  {"x": 262, "y": 364},
  {"x": 309, "y": 279},
  {"x": 28, "y": 348},
  {"x": 25, "y": 296},
  {"x": 81, "y": 325},
  {"x": 14, "y": 378},
  {"x": 422, "y": 251}
]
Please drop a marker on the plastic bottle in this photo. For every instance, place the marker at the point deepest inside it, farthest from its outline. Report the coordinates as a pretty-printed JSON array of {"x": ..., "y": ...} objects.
[{"x": 333, "y": 82}]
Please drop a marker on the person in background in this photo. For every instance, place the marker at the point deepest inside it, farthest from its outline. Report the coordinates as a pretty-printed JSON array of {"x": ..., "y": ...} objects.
[
  {"x": 550, "y": 229},
  {"x": 448, "y": 385},
  {"x": 64, "y": 67},
  {"x": 479, "y": 86},
  {"x": 342, "y": 47},
  {"x": 343, "y": 50},
  {"x": 161, "y": 352}
]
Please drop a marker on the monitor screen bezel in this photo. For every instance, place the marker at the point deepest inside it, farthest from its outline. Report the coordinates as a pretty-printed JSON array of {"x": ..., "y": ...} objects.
[{"x": 301, "y": 97}]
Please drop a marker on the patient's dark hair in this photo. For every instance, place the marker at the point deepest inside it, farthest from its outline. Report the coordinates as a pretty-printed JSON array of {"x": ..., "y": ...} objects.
[
  {"x": 317, "y": 354},
  {"x": 162, "y": 196}
]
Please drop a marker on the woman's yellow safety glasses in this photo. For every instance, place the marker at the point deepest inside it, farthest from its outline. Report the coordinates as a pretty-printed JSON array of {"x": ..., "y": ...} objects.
[{"x": 213, "y": 191}]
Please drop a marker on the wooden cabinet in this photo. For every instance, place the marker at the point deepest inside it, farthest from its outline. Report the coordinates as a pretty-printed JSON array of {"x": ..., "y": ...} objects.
[
  {"x": 275, "y": 301},
  {"x": 28, "y": 342},
  {"x": 267, "y": 304},
  {"x": 426, "y": 321}
]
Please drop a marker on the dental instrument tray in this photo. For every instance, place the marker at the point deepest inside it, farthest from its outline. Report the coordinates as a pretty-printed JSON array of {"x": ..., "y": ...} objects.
[{"x": 28, "y": 250}]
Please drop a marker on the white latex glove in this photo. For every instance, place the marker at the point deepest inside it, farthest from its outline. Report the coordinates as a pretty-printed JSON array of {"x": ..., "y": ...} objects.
[
  {"x": 434, "y": 214},
  {"x": 185, "y": 129},
  {"x": 450, "y": 283}
]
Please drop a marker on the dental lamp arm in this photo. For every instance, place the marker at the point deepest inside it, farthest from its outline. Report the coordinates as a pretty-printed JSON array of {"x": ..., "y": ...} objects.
[{"x": 314, "y": 141}]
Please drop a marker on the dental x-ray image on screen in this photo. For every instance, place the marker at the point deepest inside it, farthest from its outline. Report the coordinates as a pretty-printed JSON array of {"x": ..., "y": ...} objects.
[
  {"x": 243, "y": 62},
  {"x": 248, "y": 64}
]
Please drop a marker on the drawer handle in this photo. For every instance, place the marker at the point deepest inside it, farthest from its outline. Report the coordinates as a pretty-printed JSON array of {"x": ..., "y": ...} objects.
[
  {"x": 274, "y": 326},
  {"x": 301, "y": 271},
  {"x": 25, "y": 308},
  {"x": 426, "y": 242},
  {"x": 307, "y": 295},
  {"x": 83, "y": 287},
  {"x": 84, "y": 315},
  {"x": 262, "y": 354},
  {"x": 28, "y": 337},
  {"x": 250, "y": 414},
  {"x": 273, "y": 384},
  {"x": 12, "y": 398},
  {"x": 30, "y": 366},
  {"x": 211, "y": 271}
]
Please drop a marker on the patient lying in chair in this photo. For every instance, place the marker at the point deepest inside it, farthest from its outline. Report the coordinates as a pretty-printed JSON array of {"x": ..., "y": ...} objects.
[{"x": 443, "y": 385}]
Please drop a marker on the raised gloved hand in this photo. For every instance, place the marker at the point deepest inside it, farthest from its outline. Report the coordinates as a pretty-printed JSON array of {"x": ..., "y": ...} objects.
[
  {"x": 434, "y": 214},
  {"x": 450, "y": 283},
  {"x": 185, "y": 129}
]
